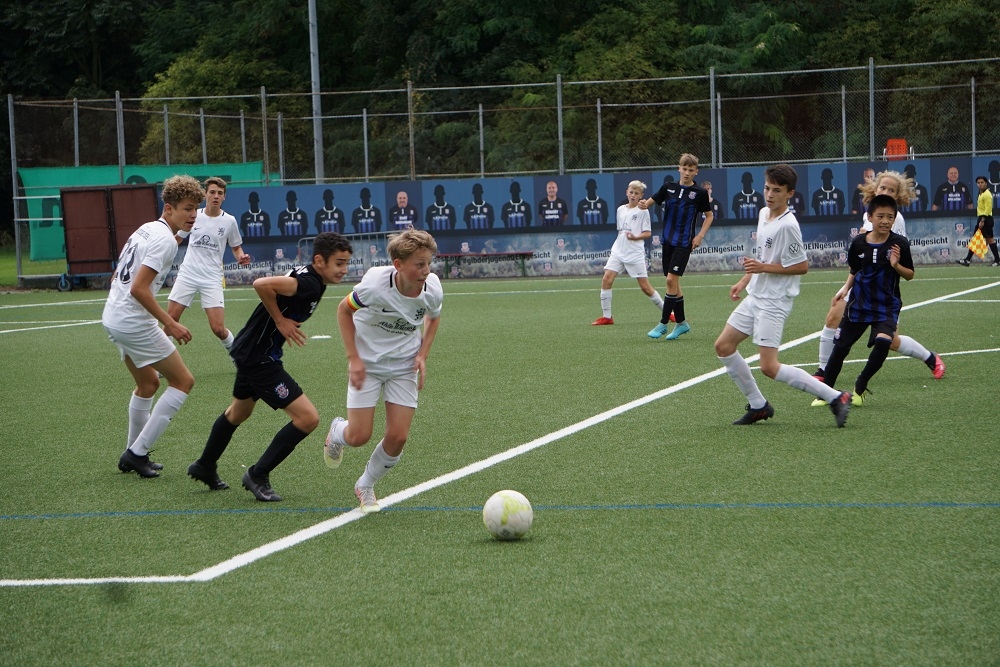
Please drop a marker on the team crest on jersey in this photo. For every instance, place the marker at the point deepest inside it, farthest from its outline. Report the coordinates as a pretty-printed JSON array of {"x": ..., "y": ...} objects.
[
  {"x": 793, "y": 248},
  {"x": 769, "y": 242},
  {"x": 420, "y": 313},
  {"x": 222, "y": 231},
  {"x": 281, "y": 390},
  {"x": 692, "y": 194}
]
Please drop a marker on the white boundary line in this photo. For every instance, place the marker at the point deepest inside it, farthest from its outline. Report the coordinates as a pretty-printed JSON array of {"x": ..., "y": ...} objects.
[{"x": 324, "y": 527}]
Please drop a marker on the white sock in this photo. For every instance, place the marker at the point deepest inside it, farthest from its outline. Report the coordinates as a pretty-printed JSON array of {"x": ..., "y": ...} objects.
[
  {"x": 739, "y": 370},
  {"x": 138, "y": 415},
  {"x": 606, "y": 303},
  {"x": 657, "y": 301},
  {"x": 164, "y": 410},
  {"x": 338, "y": 432},
  {"x": 826, "y": 345},
  {"x": 912, "y": 348},
  {"x": 228, "y": 342},
  {"x": 800, "y": 379},
  {"x": 378, "y": 465}
]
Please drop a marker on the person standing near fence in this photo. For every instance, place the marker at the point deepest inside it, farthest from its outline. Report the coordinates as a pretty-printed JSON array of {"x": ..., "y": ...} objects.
[
  {"x": 984, "y": 223},
  {"x": 629, "y": 252},
  {"x": 132, "y": 318},
  {"x": 201, "y": 271},
  {"x": 683, "y": 205}
]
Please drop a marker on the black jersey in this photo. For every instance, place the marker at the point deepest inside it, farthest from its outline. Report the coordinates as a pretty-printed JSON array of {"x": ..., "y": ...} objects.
[
  {"x": 828, "y": 202},
  {"x": 682, "y": 207},
  {"x": 552, "y": 212},
  {"x": 747, "y": 205},
  {"x": 292, "y": 223},
  {"x": 330, "y": 220},
  {"x": 592, "y": 211},
  {"x": 403, "y": 217},
  {"x": 478, "y": 216},
  {"x": 440, "y": 217},
  {"x": 516, "y": 214},
  {"x": 952, "y": 197},
  {"x": 366, "y": 220},
  {"x": 919, "y": 203},
  {"x": 255, "y": 224},
  {"x": 260, "y": 341},
  {"x": 875, "y": 294}
]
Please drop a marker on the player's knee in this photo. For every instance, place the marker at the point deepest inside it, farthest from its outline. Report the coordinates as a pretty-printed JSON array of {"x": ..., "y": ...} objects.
[
  {"x": 769, "y": 368},
  {"x": 308, "y": 422},
  {"x": 356, "y": 437},
  {"x": 184, "y": 382},
  {"x": 832, "y": 319},
  {"x": 723, "y": 348},
  {"x": 220, "y": 331}
]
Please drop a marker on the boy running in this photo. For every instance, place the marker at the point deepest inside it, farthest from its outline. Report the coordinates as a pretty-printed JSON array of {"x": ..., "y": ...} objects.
[
  {"x": 285, "y": 303},
  {"x": 772, "y": 283},
  {"x": 380, "y": 323}
]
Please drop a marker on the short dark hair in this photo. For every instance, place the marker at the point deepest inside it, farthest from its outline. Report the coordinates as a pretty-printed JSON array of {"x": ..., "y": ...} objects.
[
  {"x": 782, "y": 174},
  {"x": 984, "y": 178},
  {"x": 881, "y": 201},
  {"x": 327, "y": 243}
]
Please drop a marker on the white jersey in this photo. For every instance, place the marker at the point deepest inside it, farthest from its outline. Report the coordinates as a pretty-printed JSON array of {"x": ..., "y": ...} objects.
[
  {"x": 207, "y": 246},
  {"x": 635, "y": 220},
  {"x": 151, "y": 245},
  {"x": 779, "y": 241},
  {"x": 898, "y": 225},
  {"x": 388, "y": 324}
]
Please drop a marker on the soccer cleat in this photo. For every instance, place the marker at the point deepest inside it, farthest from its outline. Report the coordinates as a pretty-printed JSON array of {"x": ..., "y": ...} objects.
[
  {"x": 963, "y": 262},
  {"x": 840, "y": 406},
  {"x": 154, "y": 465},
  {"x": 995, "y": 264},
  {"x": 818, "y": 403},
  {"x": 679, "y": 330},
  {"x": 366, "y": 496},
  {"x": 860, "y": 397},
  {"x": 602, "y": 321},
  {"x": 130, "y": 461},
  {"x": 333, "y": 451},
  {"x": 260, "y": 487},
  {"x": 208, "y": 476},
  {"x": 820, "y": 374},
  {"x": 752, "y": 416},
  {"x": 658, "y": 331},
  {"x": 938, "y": 369}
]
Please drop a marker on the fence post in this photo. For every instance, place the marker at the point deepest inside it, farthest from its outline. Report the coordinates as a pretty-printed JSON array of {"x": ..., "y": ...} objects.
[
  {"x": 13, "y": 185},
  {"x": 973, "y": 116},
  {"x": 482, "y": 144},
  {"x": 871, "y": 108},
  {"x": 120, "y": 116},
  {"x": 843, "y": 118},
  {"x": 76, "y": 132},
  {"x": 317, "y": 102},
  {"x": 409, "y": 111},
  {"x": 718, "y": 111},
  {"x": 243, "y": 135},
  {"x": 263, "y": 120},
  {"x": 600, "y": 139},
  {"x": 559, "y": 124},
  {"x": 204, "y": 145},
  {"x": 166, "y": 135},
  {"x": 281, "y": 148},
  {"x": 711, "y": 111},
  {"x": 364, "y": 132}
]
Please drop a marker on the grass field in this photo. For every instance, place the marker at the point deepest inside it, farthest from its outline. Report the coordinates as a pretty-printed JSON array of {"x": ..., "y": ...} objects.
[{"x": 662, "y": 534}]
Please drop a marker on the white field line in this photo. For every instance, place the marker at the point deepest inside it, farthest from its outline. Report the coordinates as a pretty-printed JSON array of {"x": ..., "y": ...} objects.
[{"x": 323, "y": 527}]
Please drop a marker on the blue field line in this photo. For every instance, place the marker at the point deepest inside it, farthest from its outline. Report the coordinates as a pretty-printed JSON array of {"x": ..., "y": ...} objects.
[{"x": 544, "y": 508}]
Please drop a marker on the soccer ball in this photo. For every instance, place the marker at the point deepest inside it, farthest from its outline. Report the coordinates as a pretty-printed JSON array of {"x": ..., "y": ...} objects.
[{"x": 507, "y": 515}]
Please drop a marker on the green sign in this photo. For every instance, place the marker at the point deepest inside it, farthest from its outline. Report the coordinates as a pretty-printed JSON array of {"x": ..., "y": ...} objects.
[{"x": 42, "y": 184}]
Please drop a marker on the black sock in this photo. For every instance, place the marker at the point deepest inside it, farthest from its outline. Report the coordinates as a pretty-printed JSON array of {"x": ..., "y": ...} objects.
[
  {"x": 880, "y": 350},
  {"x": 996, "y": 255},
  {"x": 281, "y": 446},
  {"x": 218, "y": 440},
  {"x": 679, "y": 309},
  {"x": 834, "y": 364},
  {"x": 668, "y": 307},
  {"x": 931, "y": 361},
  {"x": 968, "y": 258}
]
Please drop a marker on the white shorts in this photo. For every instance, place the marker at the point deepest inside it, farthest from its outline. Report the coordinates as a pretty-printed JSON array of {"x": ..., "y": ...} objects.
[
  {"x": 764, "y": 319},
  {"x": 142, "y": 347},
  {"x": 183, "y": 293},
  {"x": 636, "y": 269},
  {"x": 400, "y": 388}
]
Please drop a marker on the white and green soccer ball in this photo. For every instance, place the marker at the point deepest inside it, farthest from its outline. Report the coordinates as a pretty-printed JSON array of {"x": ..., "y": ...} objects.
[{"x": 507, "y": 515}]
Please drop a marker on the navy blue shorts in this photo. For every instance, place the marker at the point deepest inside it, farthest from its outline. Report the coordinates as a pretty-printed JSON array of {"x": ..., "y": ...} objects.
[{"x": 268, "y": 382}]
